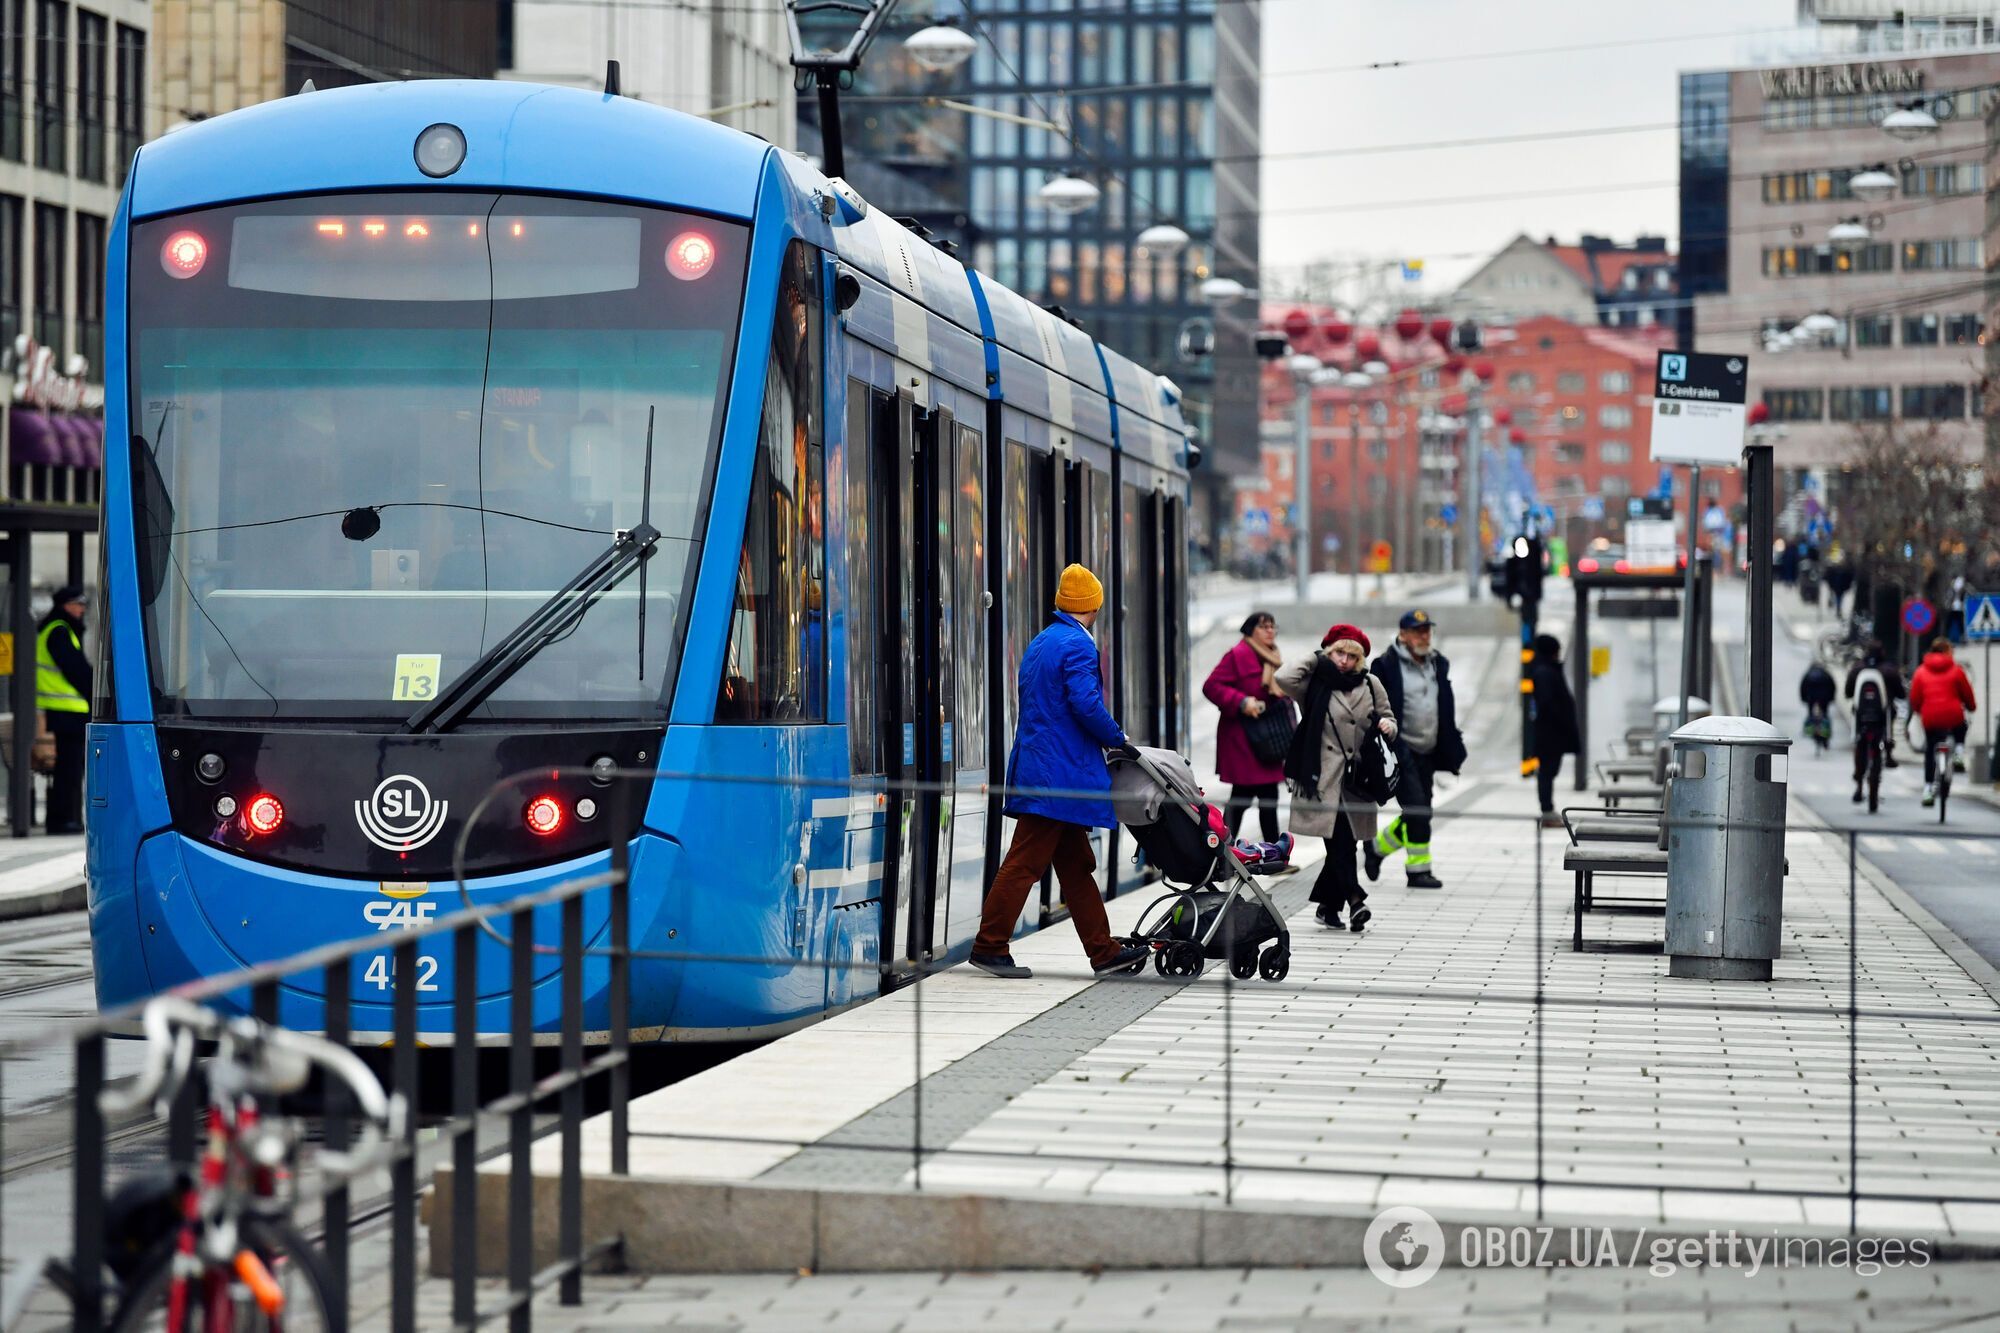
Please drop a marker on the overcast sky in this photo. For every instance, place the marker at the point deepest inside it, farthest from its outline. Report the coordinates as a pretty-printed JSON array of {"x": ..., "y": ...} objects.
[{"x": 1323, "y": 206}]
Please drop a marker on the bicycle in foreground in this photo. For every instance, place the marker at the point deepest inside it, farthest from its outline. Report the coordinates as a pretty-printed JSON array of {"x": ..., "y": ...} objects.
[
  {"x": 1944, "y": 754},
  {"x": 211, "y": 1248}
]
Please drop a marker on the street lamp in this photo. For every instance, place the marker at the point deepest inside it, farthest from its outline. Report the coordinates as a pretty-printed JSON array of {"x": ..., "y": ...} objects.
[
  {"x": 1068, "y": 194},
  {"x": 1355, "y": 381},
  {"x": 1872, "y": 185},
  {"x": 940, "y": 48},
  {"x": 1910, "y": 122},
  {"x": 1305, "y": 370},
  {"x": 1163, "y": 238},
  {"x": 1223, "y": 291},
  {"x": 1848, "y": 232}
]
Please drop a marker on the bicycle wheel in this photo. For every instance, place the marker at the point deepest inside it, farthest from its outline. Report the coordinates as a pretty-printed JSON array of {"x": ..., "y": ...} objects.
[
  {"x": 1874, "y": 778},
  {"x": 297, "y": 1267}
]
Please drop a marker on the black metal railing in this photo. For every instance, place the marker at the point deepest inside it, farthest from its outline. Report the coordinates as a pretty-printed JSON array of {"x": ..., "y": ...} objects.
[{"x": 80, "y": 1274}]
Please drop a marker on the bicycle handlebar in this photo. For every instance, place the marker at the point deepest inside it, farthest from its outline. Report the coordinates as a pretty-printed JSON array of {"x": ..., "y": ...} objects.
[{"x": 172, "y": 1026}]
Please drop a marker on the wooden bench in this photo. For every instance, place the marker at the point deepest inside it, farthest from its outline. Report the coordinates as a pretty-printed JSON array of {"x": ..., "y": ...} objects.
[{"x": 1586, "y": 863}]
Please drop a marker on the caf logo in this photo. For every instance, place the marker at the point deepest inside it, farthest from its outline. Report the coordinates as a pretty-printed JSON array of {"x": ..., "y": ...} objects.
[{"x": 401, "y": 815}]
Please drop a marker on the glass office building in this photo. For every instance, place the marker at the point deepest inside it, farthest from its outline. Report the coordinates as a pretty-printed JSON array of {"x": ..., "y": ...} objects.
[{"x": 1159, "y": 101}]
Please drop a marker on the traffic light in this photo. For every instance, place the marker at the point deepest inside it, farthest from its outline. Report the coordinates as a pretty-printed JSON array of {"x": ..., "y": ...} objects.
[{"x": 1525, "y": 570}]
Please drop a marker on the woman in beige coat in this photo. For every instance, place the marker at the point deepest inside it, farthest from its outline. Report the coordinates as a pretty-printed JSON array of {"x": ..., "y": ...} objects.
[{"x": 1341, "y": 700}]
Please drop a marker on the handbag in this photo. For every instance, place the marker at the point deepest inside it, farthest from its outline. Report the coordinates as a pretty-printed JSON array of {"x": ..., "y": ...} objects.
[
  {"x": 1270, "y": 732},
  {"x": 1371, "y": 774}
]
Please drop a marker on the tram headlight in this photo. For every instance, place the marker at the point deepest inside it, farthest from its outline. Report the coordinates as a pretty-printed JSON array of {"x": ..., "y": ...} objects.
[
  {"x": 690, "y": 256},
  {"x": 183, "y": 254},
  {"x": 440, "y": 150}
]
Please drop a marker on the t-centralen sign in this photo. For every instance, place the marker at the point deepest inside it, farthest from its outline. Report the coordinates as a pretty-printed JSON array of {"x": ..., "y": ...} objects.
[{"x": 1698, "y": 408}]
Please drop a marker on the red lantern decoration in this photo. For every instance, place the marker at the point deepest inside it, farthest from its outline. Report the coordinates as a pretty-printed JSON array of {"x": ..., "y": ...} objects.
[
  {"x": 1454, "y": 365},
  {"x": 1409, "y": 325},
  {"x": 1336, "y": 331},
  {"x": 1441, "y": 332},
  {"x": 1483, "y": 369},
  {"x": 1503, "y": 414},
  {"x": 1517, "y": 436},
  {"x": 1759, "y": 413},
  {"x": 1368, "y": 347},
  {"x": 1453, "y": 404},
  {"x": 1297, "y": 325}
]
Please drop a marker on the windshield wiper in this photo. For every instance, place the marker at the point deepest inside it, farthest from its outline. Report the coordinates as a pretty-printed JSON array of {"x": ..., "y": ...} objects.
[{"x": 554, "y": 619}]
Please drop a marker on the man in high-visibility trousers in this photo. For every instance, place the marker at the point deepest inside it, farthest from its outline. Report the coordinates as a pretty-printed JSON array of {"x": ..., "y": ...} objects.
[
  {"x": 1418, "y": 681},
  {"x": 62, "y": 692}
]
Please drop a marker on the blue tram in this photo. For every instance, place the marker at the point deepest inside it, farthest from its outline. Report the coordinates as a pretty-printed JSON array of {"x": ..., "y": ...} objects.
[{"x": 398, "y": 363}]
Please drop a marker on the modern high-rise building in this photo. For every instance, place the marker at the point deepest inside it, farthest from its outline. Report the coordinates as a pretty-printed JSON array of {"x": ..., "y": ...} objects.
[
  {"x": 728, "y": 62},
  {"x": 1156, "y": 104}
]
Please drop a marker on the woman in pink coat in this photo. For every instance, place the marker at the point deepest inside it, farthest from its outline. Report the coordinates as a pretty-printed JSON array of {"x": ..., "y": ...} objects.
[{"x": 1241, "y": 687}]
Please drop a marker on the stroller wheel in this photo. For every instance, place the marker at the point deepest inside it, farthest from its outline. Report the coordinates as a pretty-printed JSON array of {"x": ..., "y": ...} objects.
[
  {"x": 1275, "y": 965},
  {"x": 1186, "y": 960},
  {"x": 1160, "y": 961},
  {"x": 1243, "y": 964}
]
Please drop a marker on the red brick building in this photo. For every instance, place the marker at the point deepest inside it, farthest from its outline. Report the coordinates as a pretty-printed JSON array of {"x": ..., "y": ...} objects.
[{"x": 1576, "y": 400}]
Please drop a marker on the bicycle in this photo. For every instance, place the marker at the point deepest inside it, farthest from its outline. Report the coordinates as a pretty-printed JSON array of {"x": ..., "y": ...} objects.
[
  {"x": 230, "y": 1260},
  {"x": 1945, "y": 757}
]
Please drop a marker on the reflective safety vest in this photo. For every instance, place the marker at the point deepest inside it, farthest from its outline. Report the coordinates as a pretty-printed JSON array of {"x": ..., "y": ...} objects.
[{"x": 53, "y": 691}]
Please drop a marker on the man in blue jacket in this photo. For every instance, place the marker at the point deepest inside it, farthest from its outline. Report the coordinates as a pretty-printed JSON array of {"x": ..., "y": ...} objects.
[{"x": 1058, "y": 747}]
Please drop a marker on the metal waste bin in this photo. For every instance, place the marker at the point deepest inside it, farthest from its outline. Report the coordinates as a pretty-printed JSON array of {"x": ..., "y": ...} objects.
[{"x": 1726, "y": 848}]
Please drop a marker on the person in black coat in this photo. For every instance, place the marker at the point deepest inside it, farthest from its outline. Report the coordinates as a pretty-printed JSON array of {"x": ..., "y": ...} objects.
[
  {"x": 1816, "y": 691},
  {"x": 1555, "y": 721},
  {"x": 1418, "y": 683}
]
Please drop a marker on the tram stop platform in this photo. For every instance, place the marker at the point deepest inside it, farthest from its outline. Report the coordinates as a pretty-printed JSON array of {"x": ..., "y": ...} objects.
[
  {"x": 1074, "y": 1124},
  {"x": 41, "y": 874}
]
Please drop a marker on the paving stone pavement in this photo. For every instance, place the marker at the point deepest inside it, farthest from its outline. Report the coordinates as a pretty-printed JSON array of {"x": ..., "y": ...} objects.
[{"x": 1958, "y": 1297}]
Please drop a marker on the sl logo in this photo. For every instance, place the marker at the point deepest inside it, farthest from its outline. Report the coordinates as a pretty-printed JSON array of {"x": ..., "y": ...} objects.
[{"x": 401, "y": 816}]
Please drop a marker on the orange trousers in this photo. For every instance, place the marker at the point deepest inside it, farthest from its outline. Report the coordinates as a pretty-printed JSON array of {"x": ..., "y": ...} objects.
[{"x": 1038, "y": 845}]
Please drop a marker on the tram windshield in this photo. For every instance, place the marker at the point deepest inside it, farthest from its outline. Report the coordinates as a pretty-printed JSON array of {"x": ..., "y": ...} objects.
[{"x": 372, "y": 432}]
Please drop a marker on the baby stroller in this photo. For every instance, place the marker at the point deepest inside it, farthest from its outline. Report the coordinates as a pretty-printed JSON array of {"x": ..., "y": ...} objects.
[{"x": 1215, "y": 916}]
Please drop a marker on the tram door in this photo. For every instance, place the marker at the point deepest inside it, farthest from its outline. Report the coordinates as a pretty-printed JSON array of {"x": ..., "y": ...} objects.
[{"x": 913, "y": 491}]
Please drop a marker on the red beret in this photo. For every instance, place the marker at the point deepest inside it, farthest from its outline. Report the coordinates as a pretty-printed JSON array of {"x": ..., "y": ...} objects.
[{"x": 1339, "y": 632}]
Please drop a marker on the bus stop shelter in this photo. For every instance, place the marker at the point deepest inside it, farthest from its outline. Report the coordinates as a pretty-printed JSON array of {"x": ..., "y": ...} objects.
[{"x": 1701, "y": 643}]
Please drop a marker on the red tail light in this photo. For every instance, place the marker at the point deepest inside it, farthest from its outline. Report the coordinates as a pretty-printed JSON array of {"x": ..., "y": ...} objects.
[
  {"x": 1622, "y": 567},
  {"x": 1586, "y": 566},
  {"x": 544, "y": 815},
  {"x": 264, "y": 814}
]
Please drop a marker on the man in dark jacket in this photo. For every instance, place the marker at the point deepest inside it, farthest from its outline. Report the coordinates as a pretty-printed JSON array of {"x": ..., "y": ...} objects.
[
  {"x": 1555, "y": 722},
  {"x": 62, "y": 691},
  {"x": 1875, "y": 658},
  {"x": 1059, "y": 746},
  {"x": 1418, "y": 682}
]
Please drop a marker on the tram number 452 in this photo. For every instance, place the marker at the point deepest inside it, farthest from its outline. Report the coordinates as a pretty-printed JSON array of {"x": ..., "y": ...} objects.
[{"x": 381, "y": 971}]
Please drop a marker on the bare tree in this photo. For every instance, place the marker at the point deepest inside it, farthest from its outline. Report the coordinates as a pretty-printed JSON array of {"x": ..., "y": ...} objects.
[{"x": 1913, "y": 511}]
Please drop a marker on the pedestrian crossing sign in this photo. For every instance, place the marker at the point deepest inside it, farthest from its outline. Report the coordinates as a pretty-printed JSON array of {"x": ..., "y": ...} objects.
[{"x": 1982, "y": 617}]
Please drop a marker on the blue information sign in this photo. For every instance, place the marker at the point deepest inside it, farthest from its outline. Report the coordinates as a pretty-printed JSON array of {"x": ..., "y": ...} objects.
[
  {"x": 1982, "y": 617},
  {"x": 1448, "y": 515}
]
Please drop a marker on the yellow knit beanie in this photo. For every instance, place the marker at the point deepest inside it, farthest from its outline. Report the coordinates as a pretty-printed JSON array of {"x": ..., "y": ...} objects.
[{"x": 1079, "y": 591}]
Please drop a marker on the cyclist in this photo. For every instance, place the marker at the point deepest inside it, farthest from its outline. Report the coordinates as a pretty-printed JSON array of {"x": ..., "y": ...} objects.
[
  {"x": 1816, "y": 692},
  {"x": 1872, "y": 698},
  {"x": 1873, "y": 658},
  {"x": 1941, "y": 696}
]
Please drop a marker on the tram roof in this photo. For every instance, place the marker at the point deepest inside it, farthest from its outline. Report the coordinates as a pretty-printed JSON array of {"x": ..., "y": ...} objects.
[{"x": 519, "y": 136}]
